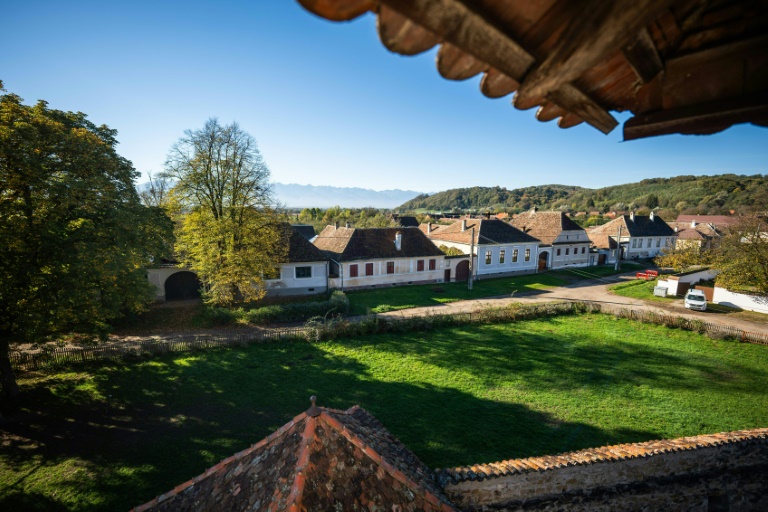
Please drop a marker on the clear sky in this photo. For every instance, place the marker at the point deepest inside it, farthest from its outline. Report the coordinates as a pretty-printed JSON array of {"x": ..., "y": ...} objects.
[{"x": 328, "y": 104}]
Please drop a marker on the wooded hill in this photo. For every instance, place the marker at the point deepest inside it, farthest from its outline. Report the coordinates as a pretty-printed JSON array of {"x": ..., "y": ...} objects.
[{"x": 682, "y": 194}]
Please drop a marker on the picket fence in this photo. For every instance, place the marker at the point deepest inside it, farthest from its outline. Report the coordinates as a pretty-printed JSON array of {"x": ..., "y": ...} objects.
[{"x": 25, "y": 361}]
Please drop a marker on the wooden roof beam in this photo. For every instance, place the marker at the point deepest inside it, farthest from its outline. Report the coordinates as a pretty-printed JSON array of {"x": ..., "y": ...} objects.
[
  {"x": 604, "y": 28},
  {"x": 469, "y": 31},
  {"x": 699, "y": 119},
  {"x": 643, "y": 57}
]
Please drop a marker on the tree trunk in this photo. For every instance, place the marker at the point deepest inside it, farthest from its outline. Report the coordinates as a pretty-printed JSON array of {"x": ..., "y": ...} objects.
[{"x": 8, "y": 386}]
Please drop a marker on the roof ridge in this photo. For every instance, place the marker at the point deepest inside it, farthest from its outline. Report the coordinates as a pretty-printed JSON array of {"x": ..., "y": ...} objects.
[
  {"x": 597, "y": 455},
  {"x": 386, "y": 465},
  {"x": 293, "y": 502}
]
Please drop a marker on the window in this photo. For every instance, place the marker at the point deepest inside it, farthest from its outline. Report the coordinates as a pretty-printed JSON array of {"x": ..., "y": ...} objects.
[
  {"x": 369, "y": 269},
  {"x": 514, "y": 255},
  {"x": 390, "y": 267},
  {"x": 432, "y": 264},
  {"x": 567, "y": 251},
  {"x": 558, "y": 252},
  {"x": 634, "y": 243},
  {"x": 583, "y": 250},
  {"x": 527, "y": 254},
  {"x": 353, "y": 270},
  {"x": 658, "y": 242},
  {"x": 487, "y": 257},
  {"x": 420, "y": 265},
  {"x": 501, "y": 256},
  {"x": 650, "y": 242},
  {"x": 303, "y": 272}
]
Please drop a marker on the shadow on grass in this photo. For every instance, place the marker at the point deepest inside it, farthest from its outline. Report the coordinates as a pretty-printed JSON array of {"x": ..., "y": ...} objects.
[{"x": 136, "y": 431}]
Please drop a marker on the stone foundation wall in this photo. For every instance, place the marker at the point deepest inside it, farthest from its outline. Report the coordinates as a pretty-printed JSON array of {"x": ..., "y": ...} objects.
[{"x": 729, "y": 476}]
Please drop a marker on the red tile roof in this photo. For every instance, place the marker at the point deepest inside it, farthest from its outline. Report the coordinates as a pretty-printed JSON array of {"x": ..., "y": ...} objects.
[
  {"x": 323, "y": 459},
  {"x": 598, "y": 455},
  {"x": 350, "y": 244},
  {"x": 546, "y": 226},
  {"x": 717, "y": 220},
  {"x": 487, "y": 231}
]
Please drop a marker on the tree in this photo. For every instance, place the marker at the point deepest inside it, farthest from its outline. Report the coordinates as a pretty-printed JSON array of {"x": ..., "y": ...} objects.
[
  {"x": 75, "y": 237},
  {"x": 681, "y": 257},
  {"x": 652, "y": 201},
  {"x": 228, "y": 231},
  {"x": 742, "y": 256}
]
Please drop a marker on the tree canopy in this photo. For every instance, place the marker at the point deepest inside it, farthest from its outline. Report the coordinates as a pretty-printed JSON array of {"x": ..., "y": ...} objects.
[
  {"x": 75, "y": 236},
  {"x": 742, "y": 256},
  {"x": 228, "y": 230}
]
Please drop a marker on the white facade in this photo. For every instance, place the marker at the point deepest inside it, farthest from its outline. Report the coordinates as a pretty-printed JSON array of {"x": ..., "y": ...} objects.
[
  {"x": 646, "y": 246},
  {"x": 491, "y": 262},
  {"x": 389, "y": 271},
  {"x": 303, "y": 278}
]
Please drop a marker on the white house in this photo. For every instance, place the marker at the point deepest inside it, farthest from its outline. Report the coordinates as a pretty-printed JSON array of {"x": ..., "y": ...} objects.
[
  {"x": 374, "y": 257},
  {"x": 563, "y": 243},
  {"x": 304, "y": 272},
  {"x": 639, "y": 236},
  {"x": 498, "y": 248}
]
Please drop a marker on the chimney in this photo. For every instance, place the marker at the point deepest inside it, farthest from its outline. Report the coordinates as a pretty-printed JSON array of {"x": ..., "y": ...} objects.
[
  {"x": 693, "y": 223},
  {"x": 398, "y": 241},
  {"x": 348, "y": 225},
  {"x": 488, "y": 215},
  {"x": 632, "y": 216},
  {"x": 336, "y": 225},
  {"x": 675, "y": 229},
  {"x": 429, "y": 227},
  {"x": 651, "y": 216},
  {"x": 463, "y": 224}
]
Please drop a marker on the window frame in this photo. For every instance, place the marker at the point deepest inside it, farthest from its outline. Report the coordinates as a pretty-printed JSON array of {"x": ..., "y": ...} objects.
[
  {"x": 527, "y": 254},
  {"x": 432, "y": 264},
  {"x": 515, "y": 254},
  {"x": 368, "y": 269},
  {"x": 419, "y": 265},
  {"x": 502, "y": 256},
  {"x": 390, "y": 267},
  {"x": 353, "y": 270},
  {"x": 296, "y": 272}
]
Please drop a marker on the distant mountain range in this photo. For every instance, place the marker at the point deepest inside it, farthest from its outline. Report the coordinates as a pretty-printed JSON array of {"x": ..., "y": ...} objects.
[{"x": 309, "y": 196}]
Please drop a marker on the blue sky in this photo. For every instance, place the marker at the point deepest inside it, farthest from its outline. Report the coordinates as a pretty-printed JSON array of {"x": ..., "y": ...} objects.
[{"x": 328, "y": 104}]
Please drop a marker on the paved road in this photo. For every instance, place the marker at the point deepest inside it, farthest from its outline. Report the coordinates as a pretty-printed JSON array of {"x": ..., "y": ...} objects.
[{"x": 595, "y": 290}]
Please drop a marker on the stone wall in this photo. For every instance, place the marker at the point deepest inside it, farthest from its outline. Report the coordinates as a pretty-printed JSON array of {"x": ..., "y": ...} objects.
[{"x": 721, "y": 472}]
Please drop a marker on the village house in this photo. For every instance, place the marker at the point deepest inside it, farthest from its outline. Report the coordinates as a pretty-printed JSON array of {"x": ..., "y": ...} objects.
[
  {"x": 640, "y": 236},
  {"x": 304, "y": 272},
  {"x": 370, "y": 257},
  {"x": 694, "y": 234},
  {"x": 563, "y": 243},
  {"x": 498, "y": 248}
]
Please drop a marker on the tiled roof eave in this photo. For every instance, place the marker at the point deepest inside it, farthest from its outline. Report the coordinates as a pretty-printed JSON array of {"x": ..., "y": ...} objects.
[{"x": 599, "y": 455}]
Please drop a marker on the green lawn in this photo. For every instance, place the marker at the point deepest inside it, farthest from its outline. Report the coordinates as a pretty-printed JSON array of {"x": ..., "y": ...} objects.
[
  {"x": 599, "y": 271},
  {"x": 381, "y": 300},
  {"x": 113, "y": 437},
  {"x": 640, "y": 289}
]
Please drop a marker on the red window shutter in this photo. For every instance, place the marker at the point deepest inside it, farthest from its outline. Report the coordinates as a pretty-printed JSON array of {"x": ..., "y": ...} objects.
[
  {"x": 432, "y": 264},
  {"x": 369, "y": 269},
  {"x": 419, "y": 265},
  {"x": 390, "y": 267},
  {"x": 353, "y": 271}
]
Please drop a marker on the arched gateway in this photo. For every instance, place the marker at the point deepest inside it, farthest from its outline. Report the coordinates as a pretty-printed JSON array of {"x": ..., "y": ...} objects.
[{"x": 182, "y": 285}]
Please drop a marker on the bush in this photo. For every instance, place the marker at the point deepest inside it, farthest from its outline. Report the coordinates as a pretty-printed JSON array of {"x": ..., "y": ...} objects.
[{"x": 336, "y": 305}]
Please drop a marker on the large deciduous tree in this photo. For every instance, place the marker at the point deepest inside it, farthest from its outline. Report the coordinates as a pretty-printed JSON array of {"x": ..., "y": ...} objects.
[
  {"x": 75, "y": 237},
  {"x": 742, "y": 256},
  {"x": 228, "y": 231}
]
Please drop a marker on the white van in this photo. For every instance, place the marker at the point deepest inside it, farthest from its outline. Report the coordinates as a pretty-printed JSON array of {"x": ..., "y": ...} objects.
[{"x": 695, "y": 299}]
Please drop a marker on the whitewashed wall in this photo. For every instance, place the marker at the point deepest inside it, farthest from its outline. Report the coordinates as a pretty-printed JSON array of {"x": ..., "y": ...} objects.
[{"x": 740, "y": 300}]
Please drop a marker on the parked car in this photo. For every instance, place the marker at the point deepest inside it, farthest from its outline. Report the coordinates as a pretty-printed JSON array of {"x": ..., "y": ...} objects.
[{"x": 695, "y": 299}]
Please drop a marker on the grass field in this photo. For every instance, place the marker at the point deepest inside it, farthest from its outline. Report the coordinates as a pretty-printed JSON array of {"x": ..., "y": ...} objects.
[
  {"x": 381, "y": 300},
  {"x": 113, "y": 437},
  {"x": 640, "y": 289}
]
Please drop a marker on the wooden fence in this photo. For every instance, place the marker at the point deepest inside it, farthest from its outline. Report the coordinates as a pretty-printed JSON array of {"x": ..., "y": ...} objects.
[
  {"x": 120, "y": 351},
  {"x": 132, "y": 350}
]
